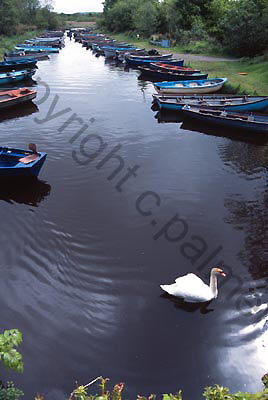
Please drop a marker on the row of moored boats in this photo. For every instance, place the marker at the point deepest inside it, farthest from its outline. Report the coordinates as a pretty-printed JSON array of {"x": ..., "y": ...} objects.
[
  {"x": 20, "y": 65},
  {"x": 183, "y": 89}
]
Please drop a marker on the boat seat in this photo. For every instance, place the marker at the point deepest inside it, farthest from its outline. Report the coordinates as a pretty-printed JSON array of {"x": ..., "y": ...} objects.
[
  {"x": 31, "y": 157},
  {"x": 239, "y": 116}
]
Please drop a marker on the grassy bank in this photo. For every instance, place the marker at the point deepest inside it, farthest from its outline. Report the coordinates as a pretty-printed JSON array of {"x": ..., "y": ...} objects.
[
  {"x": 255, "y": 82},
  {"x": 9, "y": 42}
]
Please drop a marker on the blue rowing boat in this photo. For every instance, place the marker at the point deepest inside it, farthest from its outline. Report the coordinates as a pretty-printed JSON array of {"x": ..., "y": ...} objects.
[
  {"x": 216, "y": 101},
  {"x": 134, "y": 61},
  {"x": 143, "y": 62},
  {"x": 25, "y": 55},
  {"x": 17, "y": 162},
  {"x": 161, "y": 75},
  {"x": 190, "y": 86},
  {"x": 17, "y": 65},
  {"x": 15, "y": 76},
  {"x": 48, "y": 49},
  {"x": 250, "y": 122}
]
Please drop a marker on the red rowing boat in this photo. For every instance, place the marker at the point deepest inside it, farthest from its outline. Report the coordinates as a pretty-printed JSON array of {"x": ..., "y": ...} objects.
[
  {"x": 168, "y": 67},
  {"x": 10, "y": 98}
]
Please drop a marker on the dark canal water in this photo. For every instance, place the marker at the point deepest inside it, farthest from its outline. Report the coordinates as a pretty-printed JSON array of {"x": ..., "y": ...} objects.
[{"x": 85, "y": 248}]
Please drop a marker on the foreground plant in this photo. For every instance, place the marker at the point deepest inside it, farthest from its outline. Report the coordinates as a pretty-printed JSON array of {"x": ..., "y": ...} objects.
[
  {"x": 81, "y": 392},
  {"x": 211, "y": 393},
  {"x": 10, "y": 392},
  {"x": 11, "y": 358},
  {"x": 265, "y": 380}
]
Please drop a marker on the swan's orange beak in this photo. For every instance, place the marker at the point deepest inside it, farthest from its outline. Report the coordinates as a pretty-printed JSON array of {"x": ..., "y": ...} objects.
[{"x": 222, "y": 273}]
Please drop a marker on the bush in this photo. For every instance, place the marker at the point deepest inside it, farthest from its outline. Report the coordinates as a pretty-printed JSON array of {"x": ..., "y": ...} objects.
[
  {"x": 10, "y": 357},
  {"x": 245, "y": 28},
  {"x": 10, "y": 392}
]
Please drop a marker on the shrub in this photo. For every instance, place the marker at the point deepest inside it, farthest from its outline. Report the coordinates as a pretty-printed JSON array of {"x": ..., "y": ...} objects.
[{"x": 10, "y": 392}]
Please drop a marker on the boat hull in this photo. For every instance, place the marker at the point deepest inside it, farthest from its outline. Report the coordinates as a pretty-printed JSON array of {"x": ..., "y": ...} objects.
[
  {"x": 258, "y": 125},
  {"x": 146, "y": 61},
  {"x": 41, "y": 48},
  {"x": 111, "y": 53},
  {"x": 231, "y": 103},
  {"x": 16, "y": 76},
  {"x": 38, "y": 57},
  {"x": 18, "y": 65},
  {"x": 170, "y": 76},
  {"x": 11, "y": 167},
  {"x": 190, "y": 87},
  {"x": 11, "y": 98}
]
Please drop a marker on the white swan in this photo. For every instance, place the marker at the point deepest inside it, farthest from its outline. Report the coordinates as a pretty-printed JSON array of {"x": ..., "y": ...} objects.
[{"x": 192, "y": 289}]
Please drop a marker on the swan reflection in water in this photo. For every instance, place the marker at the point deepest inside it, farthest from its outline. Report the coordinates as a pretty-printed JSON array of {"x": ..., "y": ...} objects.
[
  {"x": 30, "y": 191},
  {"x": 189, "y": 307}
]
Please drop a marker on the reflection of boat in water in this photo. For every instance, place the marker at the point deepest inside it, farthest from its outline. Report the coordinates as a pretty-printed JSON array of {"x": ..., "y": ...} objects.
[
  {"x": 164, "y": 116},
  {"x": 230, "y": 133},
  {"x": 27, "y": 190},
  {"x": 168, "y": 116},
  {"x": 19, "y": 111}
]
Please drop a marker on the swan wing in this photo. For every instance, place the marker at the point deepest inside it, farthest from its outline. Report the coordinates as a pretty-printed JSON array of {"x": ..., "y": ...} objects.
[
  {"x": 191, "y": 288},
  {"x": 190, "y": 279}
]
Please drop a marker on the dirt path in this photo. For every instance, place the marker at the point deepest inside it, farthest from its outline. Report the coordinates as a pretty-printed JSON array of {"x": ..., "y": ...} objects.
[{"x": 193, "y": 57}]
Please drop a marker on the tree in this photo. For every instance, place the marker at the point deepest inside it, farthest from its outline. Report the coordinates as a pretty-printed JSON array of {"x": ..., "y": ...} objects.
[
  {"x": 108, "y": 4},
  {"x": 217, "y": 11},
  {"x": 180, "y": 14},
  {"x": 119, "y": 17},
  {"x": 245, "y": 28},
  {"x": 28, "y": 10},
  {"x": 8, "y": 17},
  {"x": 146, "y": 17}
]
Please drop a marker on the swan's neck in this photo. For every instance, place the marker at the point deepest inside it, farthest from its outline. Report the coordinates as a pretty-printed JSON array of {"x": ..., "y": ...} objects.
[{"x": 213, "y": 284}]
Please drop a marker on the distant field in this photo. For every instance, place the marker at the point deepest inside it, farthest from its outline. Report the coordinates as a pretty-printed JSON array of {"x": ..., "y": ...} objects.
[{"x": 84, "y": 24}]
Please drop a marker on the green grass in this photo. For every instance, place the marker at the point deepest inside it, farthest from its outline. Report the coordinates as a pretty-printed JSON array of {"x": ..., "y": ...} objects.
[
  {"x": 8, "y": 43},
  {"x": 255, "y": 82}
]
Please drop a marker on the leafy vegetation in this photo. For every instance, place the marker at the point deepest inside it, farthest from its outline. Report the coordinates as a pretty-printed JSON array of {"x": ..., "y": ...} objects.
[
  {"x": 211, "y": 393},
  {"x": 17, "y": 15},
  {"x": 81, "y": 17},
  {"x": 221, "y": 393},
  {"x": 265, "y": 380},
  {"x": 8, "y": 43},
  {"x": 241, "y": 25},
  {"x": 10, "y": 392},
  {"x": 10, "y": 357}
]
